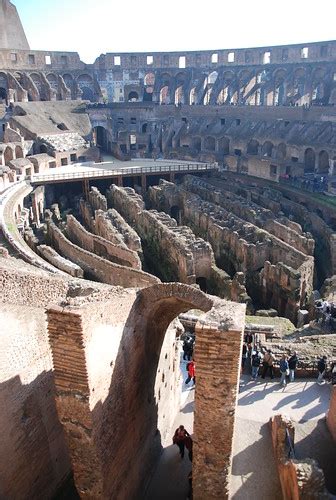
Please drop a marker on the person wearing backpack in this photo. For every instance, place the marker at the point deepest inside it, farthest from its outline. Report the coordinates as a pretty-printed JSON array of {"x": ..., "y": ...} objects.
[
  {"x": 255, "y": 362},
  {"x": 284, "y": 370}
]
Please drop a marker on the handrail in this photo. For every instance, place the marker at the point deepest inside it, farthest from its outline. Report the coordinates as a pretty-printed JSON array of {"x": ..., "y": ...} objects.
[{"x": 189, "y": 167}]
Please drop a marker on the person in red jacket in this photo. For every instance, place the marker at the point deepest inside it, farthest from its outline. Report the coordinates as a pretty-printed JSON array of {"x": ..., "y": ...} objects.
[
  {"x": 180, "y": 437},
  {"x": 191, "y": 372}
]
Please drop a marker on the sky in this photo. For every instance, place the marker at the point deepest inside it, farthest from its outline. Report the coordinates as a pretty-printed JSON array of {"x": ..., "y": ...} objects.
[{"x": 93, "y": 27}]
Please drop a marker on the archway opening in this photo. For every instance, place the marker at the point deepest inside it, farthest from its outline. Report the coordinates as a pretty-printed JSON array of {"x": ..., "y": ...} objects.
[
  {"x": 309, "y": 160},
  {"x": 87, "y": 94},
  {"x": 8, "y": 155},
  {"x": 210, "y": 143},
  {"x": 18, "y": 152},
  {"x": 202, "y": 283},
  {"x": 101, "y": 141},
  {"x": 164, "y": 95},
  {"x": 175, "y": 212},
  {"x": 253, "y": 147},
  {"x": 133, "y": 96},
  {"x": 3, "y": 94},
  {"x": 196, "y": 144},
  {"x": 323, "y": 162}
]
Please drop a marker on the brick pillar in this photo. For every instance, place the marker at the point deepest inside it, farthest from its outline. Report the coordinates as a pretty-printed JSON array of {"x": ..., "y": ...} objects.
[
  {"x": 331, "y": 415},
  {"x": 217, "y": 356},
  {"x": 72, "y": 397}
]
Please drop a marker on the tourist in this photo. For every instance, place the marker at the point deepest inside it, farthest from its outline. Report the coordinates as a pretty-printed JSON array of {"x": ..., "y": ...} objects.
[
  {"x": 188, "y": 347},
  {"x": 244, "y": 356},
  {"x": 180, "y": 437},
  {"x": 248, "y": 339},
  {"x": 321, "y": 367},
  {"x": 191, "y": 372},
  {"x": 284, "y": 370},
  {"x": 255, "y": 363},
  {"x": 292, "y": 364},
  {"x": 268, "y": 362}
]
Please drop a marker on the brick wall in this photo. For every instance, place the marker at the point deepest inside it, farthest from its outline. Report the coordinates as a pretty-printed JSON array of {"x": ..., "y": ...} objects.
[
  {"x": 331, "y": 417},
  {"x": 97, "y": 267},
  {"x": 100, "y": 246}
]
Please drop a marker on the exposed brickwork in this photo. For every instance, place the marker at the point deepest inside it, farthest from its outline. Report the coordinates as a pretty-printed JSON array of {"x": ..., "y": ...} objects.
[
  {"x": 99, "y": 268},
  {"x": 331, "y": 416},
  {"x": 218, "y": 366},
  {"x": 100, "y": 246}
]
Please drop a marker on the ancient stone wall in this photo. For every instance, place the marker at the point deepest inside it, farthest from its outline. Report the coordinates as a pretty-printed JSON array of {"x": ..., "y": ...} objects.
[
  {"x": 240, "y": 246},
  {"x": 172, "y": 252},
  {"x": 96, "y": 400},
  {"x": 61, "y": 263},
  {"x": 217, "y": 192},
  {"x": 299, "y": 479},
  {"x": 34, "y": 460},
  {"x": 100, "y": 246},
  {"x": 97, "y": 267}
]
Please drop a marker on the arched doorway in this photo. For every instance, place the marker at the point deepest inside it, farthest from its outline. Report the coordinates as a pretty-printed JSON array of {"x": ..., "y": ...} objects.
[
  {"x": 101, "y": 139},
  {"x": 323, "y": 162},
  {"x": 175, "y": 212},
  {"x": 8, "y": 155},
  {"x": 87, "y": 94},
  {"x": 309, "y": 160},
  {"x": 18, "y": 152},
  {"x": 202, "y": 283},
  {"x": 3, "y": 94}
]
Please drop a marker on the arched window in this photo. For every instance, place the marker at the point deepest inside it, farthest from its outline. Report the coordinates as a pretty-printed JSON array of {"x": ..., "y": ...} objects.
[
  {"x": 210, "y": 143},
  {"x": 133, "y": 96},
  {"x": 267, "y": 149},
  {"x": 309, "y": 160},
  {"x": 252, "y": 147}
]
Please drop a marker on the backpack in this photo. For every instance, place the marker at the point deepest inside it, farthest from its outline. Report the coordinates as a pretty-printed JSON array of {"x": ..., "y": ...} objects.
[{"x": 256, "y": 360}]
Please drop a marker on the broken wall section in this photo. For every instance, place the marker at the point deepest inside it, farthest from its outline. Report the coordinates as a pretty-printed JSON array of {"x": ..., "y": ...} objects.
[{"x": 171, "y": 251}]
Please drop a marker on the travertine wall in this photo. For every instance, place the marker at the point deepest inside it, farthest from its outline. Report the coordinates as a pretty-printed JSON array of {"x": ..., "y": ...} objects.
[
  {"x": 97, "y": 267},
  {"x": 100, "y": 246},
  {"x": 106, "y": 361}
]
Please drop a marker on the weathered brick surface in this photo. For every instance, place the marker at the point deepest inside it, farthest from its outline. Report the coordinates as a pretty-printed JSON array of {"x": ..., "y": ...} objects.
[
  {"x": 100, "y": 246},
  {"x": 99, "y": 268},
  {"x": 331, "y": 416}
]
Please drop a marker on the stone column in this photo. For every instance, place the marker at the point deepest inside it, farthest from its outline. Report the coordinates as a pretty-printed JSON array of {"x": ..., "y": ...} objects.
[
  {"x": 72, "y": 397},
  {"x": 218, "y": 356}
]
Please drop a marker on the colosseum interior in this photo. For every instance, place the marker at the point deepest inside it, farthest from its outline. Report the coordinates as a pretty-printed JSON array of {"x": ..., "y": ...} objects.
[{"x": 142, "y": 197}]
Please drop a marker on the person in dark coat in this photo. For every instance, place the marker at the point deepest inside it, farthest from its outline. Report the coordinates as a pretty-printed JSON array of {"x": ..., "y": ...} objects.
[
  {"x": 180, "y": 437},
  {"x": 292, "y": 364},
  {"x": 321, "y": 366}
]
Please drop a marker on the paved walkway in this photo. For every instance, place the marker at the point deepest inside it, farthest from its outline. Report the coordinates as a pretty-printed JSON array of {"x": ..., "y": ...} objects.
[{"x": 254, "y": 473}]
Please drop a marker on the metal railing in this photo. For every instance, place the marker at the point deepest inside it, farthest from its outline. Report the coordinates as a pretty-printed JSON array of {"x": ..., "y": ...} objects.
[{"x": 157, "y": 169}]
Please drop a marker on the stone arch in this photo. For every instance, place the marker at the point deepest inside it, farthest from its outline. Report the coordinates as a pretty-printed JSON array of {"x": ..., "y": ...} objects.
[
  {"x": 323, "y": 162},
  {"x": 267, "y": 148},
  {"x": 208, "y": 84},
  {"x": 149, "y": 79},
  {"x": 86, "y": 84},
  {"x": 18, "y": 152},
  {"x": 252, "y": 147},
  {"x": 196, "y": 144},
  {"x": 87, "y": 94},
  {"x": 224, "y": 145},
  {"x": 309, "y": 160},
  {"x": 8, "y": 155},
  {"x": 53, "y": 81},
  {"x": 3, "y": 94},
  {"x": 179, "y": 95},
  {"x": 164, "y": 95},
  {"x": 193, "y": 96},
  {"x": 210, "y": 143},
  {"x": 133, "y": 96},
  {"x": 101, "y": 138},
  {"x": 131, "y": 395},
  {"x": 281, "y": 151}
]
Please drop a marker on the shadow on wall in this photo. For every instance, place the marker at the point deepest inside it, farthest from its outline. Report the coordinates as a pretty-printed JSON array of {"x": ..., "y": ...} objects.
[
  {"x": 129, "y": 439},
  {"x": 34, "y": 461}
]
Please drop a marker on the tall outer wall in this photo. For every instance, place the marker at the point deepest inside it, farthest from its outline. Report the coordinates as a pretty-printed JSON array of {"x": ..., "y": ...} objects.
[{"x": 12, "y": 35}]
